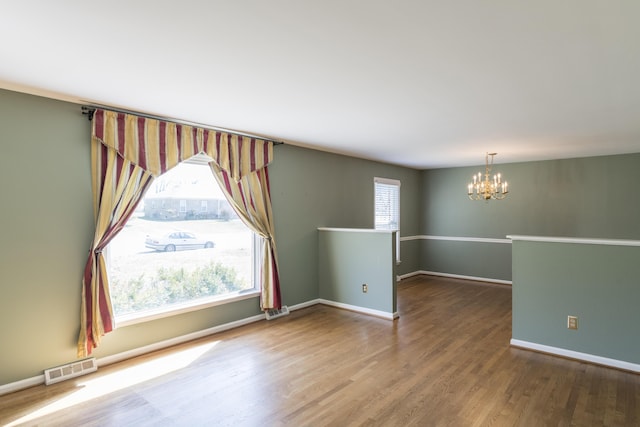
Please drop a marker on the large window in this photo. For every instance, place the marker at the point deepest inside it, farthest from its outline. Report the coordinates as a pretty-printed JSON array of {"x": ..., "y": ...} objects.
[
  {"x": 183, "y": 248},
  {"x": 387, "y": 207}
]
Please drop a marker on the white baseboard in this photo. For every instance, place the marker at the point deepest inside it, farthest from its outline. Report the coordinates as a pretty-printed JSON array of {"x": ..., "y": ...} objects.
[
  {"x": 456, "y": 276},
  {"x": 304, "y": 304},
  {"x": 119, "y": 357},
  {"x": 377, "y": 313},
  {"x": 22, "y": 384},
  {"x": 408, "y": 275},
  {"x": 357, "y": 309},
  {"x": 570, "y": 354}
]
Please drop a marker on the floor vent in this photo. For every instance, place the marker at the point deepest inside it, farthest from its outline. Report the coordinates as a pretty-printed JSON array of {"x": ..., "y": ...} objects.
[
  {"x": 70, "y": 370},
  {"x": 275, "y": 313}
]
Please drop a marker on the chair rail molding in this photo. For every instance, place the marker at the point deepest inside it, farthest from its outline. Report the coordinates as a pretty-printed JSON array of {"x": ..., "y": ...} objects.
[{"x": 455, "y": 239}]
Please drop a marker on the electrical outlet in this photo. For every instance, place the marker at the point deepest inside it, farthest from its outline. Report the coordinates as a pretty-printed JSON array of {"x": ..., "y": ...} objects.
[
  {"x": 365, "y": 288},
  {"x": 572, "y": 322}
]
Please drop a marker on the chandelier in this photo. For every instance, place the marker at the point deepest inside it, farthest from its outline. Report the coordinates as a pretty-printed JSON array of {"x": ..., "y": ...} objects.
[{"x": 486, "y": 189}]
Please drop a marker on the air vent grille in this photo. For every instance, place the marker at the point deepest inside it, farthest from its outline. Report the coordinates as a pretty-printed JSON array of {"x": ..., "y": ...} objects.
[
  {"x": 70, "y": 370},
  {"x": 275, "y": 313}
]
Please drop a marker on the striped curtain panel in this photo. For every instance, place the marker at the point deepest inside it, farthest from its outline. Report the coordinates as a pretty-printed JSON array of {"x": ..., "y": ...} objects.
[
  {"x": 128, "y": 152},
  {"x": 251, "y": 199},
  {"x": 118, "y": 187}
]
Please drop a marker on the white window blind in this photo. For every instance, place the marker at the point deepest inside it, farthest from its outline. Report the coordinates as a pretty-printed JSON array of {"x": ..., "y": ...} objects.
[{"x": 387, "y": 207}]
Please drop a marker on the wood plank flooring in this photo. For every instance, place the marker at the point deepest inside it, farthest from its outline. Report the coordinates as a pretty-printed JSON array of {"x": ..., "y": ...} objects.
[{"x": 445, "y": 362}]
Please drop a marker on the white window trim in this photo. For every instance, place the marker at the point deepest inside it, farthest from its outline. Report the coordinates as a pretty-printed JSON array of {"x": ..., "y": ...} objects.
[
  {"x": 387, "y": 181},
  {"x": 176, "y": 309},
  {"x": 397, "y": 183}
]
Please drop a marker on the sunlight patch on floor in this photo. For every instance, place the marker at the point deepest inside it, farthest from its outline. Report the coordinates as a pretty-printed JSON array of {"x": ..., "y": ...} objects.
[{"x": 119, "y": 380}]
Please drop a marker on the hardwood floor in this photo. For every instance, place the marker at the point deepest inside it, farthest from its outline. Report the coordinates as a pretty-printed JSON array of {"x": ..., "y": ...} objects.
[{"x": 445, "y": 361}]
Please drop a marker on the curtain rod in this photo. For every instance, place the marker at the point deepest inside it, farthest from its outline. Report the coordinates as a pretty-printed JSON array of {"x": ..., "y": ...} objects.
[{"x": 88, "y": 111}]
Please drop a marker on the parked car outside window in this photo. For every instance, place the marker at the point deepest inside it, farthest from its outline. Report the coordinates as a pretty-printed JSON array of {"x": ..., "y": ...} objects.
[{"x": 177, "y": 240}]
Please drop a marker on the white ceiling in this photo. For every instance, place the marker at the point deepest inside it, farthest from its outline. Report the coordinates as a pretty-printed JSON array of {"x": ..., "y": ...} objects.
[{"x": 421, "y": 83}]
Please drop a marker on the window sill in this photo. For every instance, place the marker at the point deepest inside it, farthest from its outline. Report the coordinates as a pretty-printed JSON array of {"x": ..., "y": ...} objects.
[{"x": 175, "y": 309}]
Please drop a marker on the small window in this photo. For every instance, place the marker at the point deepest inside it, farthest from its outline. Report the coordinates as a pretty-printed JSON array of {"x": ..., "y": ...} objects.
[
  {"x": 204, "y": 206},
  {"x": 183, "y": 206},
  {"x": 387, "y": 207}
]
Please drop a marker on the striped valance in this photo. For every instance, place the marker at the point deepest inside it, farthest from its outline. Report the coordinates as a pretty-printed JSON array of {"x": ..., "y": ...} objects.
[{"x": 157, "y": 145}]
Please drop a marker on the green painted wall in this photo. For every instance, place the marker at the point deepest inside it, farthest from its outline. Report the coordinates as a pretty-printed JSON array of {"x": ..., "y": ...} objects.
[
  {"x": 349, "y": 259},
  {"x": 46, "y": 227},
  {"x": 583, "y": 197},
  {"x": 312, "y": 189},
  {"x": 472, "y": 259},
  {"x": 598, "y": 284}
]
